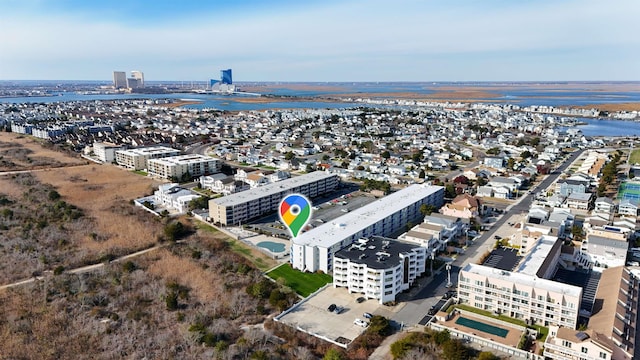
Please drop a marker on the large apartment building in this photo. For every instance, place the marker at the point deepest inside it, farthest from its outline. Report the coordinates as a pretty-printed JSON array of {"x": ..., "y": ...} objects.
[
  {"x": 177, "y": 166},
  {"x": 314, "y": 249},
  {"x": 106, "y": 152},
  {"x": 136, "y": 159},
  {"x": 378, "y": 267},
  {"x": 240, "y": 207},
  {"x": 612, "y": 329},
  {"x": 520, "y": 295}
]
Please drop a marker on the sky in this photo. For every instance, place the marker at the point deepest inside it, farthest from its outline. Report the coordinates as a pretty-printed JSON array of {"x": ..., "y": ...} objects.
[{"x": 316, "y": 40}]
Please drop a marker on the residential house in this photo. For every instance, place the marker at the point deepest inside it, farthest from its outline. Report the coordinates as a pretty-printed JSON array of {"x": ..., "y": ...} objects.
[
  {"x": 566, "y": 187},
  {"x": 174, "y": 197},
  {"x": 604, "y": 205},
  {"x": 579, "y": 201},
  {"x": 463, "y": 206}
]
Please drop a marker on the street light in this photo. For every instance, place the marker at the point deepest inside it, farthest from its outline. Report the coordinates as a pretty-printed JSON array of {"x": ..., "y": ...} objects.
[
  {"x": 433, "y": 257},
  {"x": 448, "y": 268}
]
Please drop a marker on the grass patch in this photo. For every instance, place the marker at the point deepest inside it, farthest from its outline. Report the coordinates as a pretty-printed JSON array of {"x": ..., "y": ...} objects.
[
  {"x": 301, "y": 282},
  {"x": 140, "y": 172},
  {"x": 634, "y": 157},
  {"x": 260, "y": 260},
  {"x": 542, "y": 331}
]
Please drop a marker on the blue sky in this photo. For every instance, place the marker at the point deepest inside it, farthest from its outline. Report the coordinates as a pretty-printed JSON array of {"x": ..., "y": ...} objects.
[{"x": 314, "y": 40}]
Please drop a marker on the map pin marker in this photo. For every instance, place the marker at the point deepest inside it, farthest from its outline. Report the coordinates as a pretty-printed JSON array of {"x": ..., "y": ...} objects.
[{"x": 295, "y": 213}]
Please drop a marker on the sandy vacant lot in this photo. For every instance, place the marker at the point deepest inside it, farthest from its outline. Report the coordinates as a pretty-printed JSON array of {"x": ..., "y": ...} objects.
[{"x": 19, "y": 152}]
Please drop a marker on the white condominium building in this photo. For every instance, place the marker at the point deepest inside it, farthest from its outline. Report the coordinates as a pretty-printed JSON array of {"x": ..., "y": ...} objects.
[
  {"x": 240, "y": 207},
  {"x": 378, "y": 267},
  {"x": 106, "y": 152},
  {"x": 177, "y": 166},
  {"x": 136, "y": 159},
  {"x": 519, "y": 295},
  {"x": 314, "y": 249}
]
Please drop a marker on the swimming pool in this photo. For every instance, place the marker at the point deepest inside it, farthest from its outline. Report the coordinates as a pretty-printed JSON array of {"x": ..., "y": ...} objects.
[
  {"x": 487, "y": 328},
  {"x": 274, "y": 247}
]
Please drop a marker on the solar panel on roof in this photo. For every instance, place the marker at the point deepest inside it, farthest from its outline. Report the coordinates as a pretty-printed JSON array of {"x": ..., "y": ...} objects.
[{"x": 581, "y": 335}]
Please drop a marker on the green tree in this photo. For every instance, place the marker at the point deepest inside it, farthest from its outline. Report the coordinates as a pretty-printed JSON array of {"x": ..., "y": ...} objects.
[
  {"x": 450, "y": 191},
  {"x": 289, "y": 156},
  {"x": 526, "y": 154},
  {"x": 174, "y": 230},
  {"x": 511, "y": 162},
  {"x": 199, "y": 203},
  {"x": 576, "y": 231},
  {"x": 493, "y": 151},
  {"x": 334, "y": 354},
  {"x": 486, "y": 355},
  {"x": 385, "y": 154},
  {"x": 442, "y": 337},
  {"x": 427, "y": 209},
  {"x": 455, "y": 350},
  {"x": 422, "y": 174}
]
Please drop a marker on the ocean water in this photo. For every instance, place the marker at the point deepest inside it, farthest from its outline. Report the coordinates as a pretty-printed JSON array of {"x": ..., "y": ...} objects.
[
  {"x": 602, "y": 127},
  {"x": 220, "y": 102}
]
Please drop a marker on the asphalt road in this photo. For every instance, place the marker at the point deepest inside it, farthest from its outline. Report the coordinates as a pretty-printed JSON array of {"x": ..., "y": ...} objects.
[{"x": 420, "y": 299}]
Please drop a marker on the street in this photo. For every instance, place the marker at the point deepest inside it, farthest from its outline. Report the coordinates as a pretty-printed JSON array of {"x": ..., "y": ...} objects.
[{"x": 419, "y": 299}]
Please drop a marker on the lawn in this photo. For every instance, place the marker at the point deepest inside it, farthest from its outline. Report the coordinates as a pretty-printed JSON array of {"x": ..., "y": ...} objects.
[
  {"x": 260, "y": 260},
  {"x": 301, "y": 282},
  {"x": 634, "y": 158}
]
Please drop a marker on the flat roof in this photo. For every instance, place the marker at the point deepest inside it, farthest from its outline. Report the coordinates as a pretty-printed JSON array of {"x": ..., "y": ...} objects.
[
  {"x": 183, "y": 159},
  {"x": 270, "y": 189},
  {"x": 149, "y": 150},
  {"x": 328, "y": 234},
  {"x": 536, "y": 257},
  {"x": 503, "y": 259},
  {"x": 524, "y": 280},
  {"x": 374, "y": 246}
]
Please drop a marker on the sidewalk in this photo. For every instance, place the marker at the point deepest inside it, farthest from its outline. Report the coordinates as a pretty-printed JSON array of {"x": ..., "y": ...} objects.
[{"x": 383, "y": 352}]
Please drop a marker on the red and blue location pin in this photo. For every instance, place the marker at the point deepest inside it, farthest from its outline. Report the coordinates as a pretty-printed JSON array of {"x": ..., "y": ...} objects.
[{"x": 295, "y": 213}]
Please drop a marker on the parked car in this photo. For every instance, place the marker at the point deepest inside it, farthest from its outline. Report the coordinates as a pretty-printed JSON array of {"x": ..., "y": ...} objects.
[
  {"x": 338, "y": 309},
  {"x": 433, "y": 310},
  {"x": 360, "y": 322},
  {"x": 367, "y": 315},
  {"x": 360, "y": 299},
  {"x": 331, "y": 307}
]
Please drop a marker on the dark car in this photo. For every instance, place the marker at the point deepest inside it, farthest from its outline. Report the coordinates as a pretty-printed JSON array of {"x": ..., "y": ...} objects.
[
  {"x": 332, "y": 307},
  {"x": 360, "y": 299},
  {"x": 433, "y": 310},
  {"x": 367, "y": 315}
]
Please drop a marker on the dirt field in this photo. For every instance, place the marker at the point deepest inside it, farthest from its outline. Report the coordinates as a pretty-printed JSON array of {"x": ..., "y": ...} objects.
[
  {"x": 104, "y": 192},
  {"x": 18, "y": 152}
]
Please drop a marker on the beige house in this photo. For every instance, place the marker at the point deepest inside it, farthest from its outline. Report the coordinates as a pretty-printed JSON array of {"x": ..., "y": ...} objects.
[{"x": 564, "y": 343}]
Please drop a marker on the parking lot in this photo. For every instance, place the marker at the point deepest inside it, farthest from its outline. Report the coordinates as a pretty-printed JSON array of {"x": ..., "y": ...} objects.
[
  {"x": 314, "y": 317},
  {"x": 325, "y": 209}
]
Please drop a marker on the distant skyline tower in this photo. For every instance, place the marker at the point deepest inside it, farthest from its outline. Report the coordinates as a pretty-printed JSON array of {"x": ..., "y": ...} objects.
[
  {"x": 225, "y": 77},
  {"x": 119, "y": 80},
  {"x": 139, "y": 76}
]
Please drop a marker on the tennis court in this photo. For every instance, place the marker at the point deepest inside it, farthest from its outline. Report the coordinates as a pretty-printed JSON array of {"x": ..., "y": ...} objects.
[
  {"x": 630, "y": 191},
  {"x": 480, "y": 326}
]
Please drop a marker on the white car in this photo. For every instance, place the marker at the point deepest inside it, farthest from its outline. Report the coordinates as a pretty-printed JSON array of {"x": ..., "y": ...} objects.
[{"x": 361, "y": 322}]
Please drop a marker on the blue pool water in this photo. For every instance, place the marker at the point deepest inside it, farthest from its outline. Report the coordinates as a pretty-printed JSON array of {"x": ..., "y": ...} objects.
[{"x": 274, "y": 247}]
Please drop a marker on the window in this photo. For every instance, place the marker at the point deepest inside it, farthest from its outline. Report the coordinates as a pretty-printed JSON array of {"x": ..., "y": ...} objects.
[
  {"x": 603, "y": 355},
  {"x": 584, "y": 350}
]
